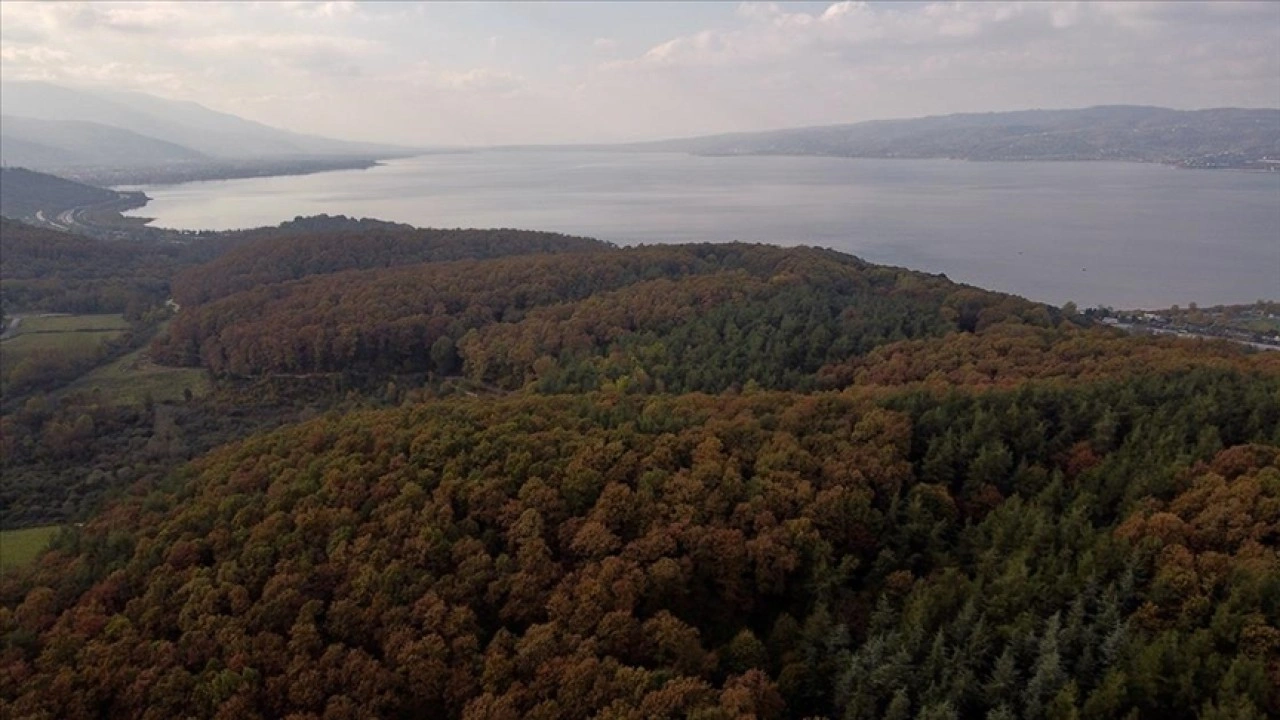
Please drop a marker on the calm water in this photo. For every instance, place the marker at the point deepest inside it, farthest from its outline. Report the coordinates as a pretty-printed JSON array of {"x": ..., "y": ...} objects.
[{"x": 1117, "y": 234}]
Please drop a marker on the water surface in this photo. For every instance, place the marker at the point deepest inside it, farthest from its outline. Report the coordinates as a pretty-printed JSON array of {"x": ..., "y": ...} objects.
[{"x": 1119, "y": 234}]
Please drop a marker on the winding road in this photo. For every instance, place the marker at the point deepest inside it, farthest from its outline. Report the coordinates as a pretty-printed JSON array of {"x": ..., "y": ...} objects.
[{"x": 74, "y": 218}]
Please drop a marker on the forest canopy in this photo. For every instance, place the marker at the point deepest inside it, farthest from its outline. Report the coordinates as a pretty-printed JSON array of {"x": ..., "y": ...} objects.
[
  {"x": 1095, "y": 551},
  {"x": 525, "y": 475},
  {"x": 675, "y": 318}
]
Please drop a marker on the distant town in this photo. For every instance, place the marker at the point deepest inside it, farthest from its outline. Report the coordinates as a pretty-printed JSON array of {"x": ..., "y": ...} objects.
[{"x": 1256, "y": 325}]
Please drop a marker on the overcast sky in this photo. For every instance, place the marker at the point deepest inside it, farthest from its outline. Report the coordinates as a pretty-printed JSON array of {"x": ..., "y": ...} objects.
[{"x": 475, "y": 73}]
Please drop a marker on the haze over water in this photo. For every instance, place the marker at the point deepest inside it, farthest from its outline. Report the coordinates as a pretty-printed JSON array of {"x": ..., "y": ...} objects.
[{"x": 1119, "y": 234}]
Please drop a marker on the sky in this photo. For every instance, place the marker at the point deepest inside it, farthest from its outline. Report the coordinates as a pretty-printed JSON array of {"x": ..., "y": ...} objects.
[{"x": 512, "y": 73}]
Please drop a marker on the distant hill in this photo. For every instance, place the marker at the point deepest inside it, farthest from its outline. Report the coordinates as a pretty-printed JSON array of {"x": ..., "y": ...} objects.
[
  {"x": 192, "y": 125},
  {"x": 356, "y": 302},
  {"x": 47, "y": 270},
  {"x": 324, "y": 245},
  {"x": 24, "y": 192},
  {"x": 1223, "y": 137},
  {"x": 32, "y": 142},
  {"x": 54, "y": 128}
]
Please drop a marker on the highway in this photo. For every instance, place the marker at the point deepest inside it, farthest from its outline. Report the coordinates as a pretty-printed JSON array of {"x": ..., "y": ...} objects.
[
  {"x": 46, "y": 221},
  {"x": 75, "y": 218}
]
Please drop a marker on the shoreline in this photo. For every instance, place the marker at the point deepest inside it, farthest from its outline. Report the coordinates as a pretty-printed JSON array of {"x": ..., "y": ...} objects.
[
  {"x": 126, "y": 180},
  {"x": 134, "y": 180},
  {"x": 190, "y": 219}
]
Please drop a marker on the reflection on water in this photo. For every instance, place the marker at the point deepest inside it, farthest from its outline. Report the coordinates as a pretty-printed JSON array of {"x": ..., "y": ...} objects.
[{"x": 1118, "y": 234}]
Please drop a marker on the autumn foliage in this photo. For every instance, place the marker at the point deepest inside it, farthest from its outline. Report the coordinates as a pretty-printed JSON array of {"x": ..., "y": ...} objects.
[
  {"x": 693, "y": 481},
  {"x": 672, "y": 318}
]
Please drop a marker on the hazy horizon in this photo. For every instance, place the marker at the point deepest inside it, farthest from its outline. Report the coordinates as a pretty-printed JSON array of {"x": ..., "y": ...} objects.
[{"x": 477, "y": 74}]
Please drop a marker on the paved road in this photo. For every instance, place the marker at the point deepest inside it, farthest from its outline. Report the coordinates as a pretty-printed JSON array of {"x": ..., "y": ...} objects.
[
  {"x": 75, "y": 218},
  {"x": 41, "y": 218},
  {"x": 1199, "y": 336},
  {"x": 13, "y": 325}
]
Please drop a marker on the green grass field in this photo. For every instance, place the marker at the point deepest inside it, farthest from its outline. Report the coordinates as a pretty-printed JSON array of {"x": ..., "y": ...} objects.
[
  {"x": 19, "y": 547},
  {"x": 127, "y": 380},
  {"x": 130, "y": 379},
  {"x": 71, "y": 323},
  {"x": 61, "y": 334},
  {"x": 28, "y": 345},
  {"x": 44, "y": 342}
]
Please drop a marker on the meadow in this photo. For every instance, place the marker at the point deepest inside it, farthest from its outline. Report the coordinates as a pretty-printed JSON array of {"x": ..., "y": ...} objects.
[
  {"x": 19, "y": 547},
  {"x": 133, "y": 378},
  {"x": 48, "y": 346}
]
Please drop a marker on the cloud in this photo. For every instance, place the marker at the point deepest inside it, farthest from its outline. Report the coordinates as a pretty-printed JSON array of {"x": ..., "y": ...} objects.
[
  {"x": 129, "y": 18},
  {"x": 957, "y": 38},
  {"x": 773, "y": 34},
  {"x": 282, "y": 43},
  {"x": 300, "y": 51},
  {"x": 33, "y": 55},
  {"x": 112, "y": 75},
  {"x": 326, "y": 10},
  {"x": 482, "y": 80},
  {"x": 435, "y": 73}
]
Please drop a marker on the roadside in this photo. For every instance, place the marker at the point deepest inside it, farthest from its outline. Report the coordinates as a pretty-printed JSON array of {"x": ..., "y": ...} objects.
[
  {"x": 99, "y": 218},
  {"x": 12, "y": 328},
  {"x": 1140, "y": 329},
  {"x": 1256, "y": 325}
]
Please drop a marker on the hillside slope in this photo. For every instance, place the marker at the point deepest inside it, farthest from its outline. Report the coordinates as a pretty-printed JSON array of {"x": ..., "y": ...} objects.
[
  {"x": 187, "y": 124},
  {"x": 75, "y": 142},
  {"x": 1226, "y": 137},
  {"x": 695, "y": 317},
  {"x": 559, "y": 479},
  {"x": 765, "y": 556},
  {"x": 24, "y": 192},
  {"x": 322, "y": 245}
]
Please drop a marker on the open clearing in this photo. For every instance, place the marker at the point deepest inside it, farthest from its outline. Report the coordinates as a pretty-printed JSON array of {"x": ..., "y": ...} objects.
[
  {"x": 43, "y": 348},
  {"x": 68, "y": 338},
  {"x": 130, "y": 379},
  {"x": 71, "y": 323},
  {"x": 19, "y": 547},
  {"x": 28, "y": 345}
]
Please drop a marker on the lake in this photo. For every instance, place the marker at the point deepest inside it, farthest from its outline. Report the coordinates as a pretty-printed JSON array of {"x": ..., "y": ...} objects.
[{"x": 1120, "y": 234}]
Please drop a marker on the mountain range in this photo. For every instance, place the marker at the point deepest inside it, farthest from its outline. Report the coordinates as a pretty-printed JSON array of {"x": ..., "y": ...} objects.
[
  {"x": 1220, "y": 137},
  {"x": 43, "y": 143},
  {"x": 114, "y": 137},
  {"x": 51, "y": 127}
]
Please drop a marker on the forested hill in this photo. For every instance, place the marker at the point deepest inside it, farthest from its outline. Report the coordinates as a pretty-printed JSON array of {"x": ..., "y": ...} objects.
[
  {"x": 1221, "y": 137},
  {"x": 51, "y": 271},
  {"x": 24, "y": 192},
  {"x": 544, "y": 477},
  {"x": 672, "y": 317},
  {"x": 323, "y": 244},
  {"x": 1100, "y": 550}
]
